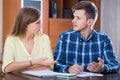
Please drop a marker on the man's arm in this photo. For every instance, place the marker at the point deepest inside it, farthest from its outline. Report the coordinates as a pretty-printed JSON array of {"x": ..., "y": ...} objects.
[
  {"x": 60, "y": 56},
  {"x": 110, "y": 61}
]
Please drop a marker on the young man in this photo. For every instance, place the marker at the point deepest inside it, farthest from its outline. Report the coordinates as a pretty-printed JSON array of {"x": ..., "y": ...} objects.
[{"x": 83, "y": 48}]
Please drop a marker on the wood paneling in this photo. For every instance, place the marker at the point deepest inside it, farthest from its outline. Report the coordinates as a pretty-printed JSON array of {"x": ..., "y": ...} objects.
[
  {"x": 10, "y": 10},
  {"x": 56, "y": 27}
]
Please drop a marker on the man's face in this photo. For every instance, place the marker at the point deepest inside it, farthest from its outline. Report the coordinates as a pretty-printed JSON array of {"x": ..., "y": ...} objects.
[{"x": 80, "y": 21}]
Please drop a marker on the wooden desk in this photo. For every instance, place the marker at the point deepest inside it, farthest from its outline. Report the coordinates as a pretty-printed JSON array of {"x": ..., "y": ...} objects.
[{"x": 10, "y": 76}]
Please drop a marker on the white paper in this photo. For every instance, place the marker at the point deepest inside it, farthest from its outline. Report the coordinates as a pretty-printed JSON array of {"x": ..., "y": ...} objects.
[
  {"x": 40, "y": 73},
  {"x": 47, "y": 73},
  {"x": 86, "y": 74}
]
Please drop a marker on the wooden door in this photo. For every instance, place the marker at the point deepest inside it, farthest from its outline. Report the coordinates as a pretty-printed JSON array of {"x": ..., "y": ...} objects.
[{"x": 10, "y": 10}]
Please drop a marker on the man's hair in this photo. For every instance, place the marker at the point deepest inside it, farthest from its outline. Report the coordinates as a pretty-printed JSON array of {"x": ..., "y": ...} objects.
[
  {"x": 89, "y": 7},
  {"x": 25, "y": 16}
]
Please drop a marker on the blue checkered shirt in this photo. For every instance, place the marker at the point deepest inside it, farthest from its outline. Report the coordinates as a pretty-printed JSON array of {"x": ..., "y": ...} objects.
[{"x": 72, "y": 49}]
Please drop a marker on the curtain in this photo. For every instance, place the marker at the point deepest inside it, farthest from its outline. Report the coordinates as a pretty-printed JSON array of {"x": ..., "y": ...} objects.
[{"x": 110, "y": 22}]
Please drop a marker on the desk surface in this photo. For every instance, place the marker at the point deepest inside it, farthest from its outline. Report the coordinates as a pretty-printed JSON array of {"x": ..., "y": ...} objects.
[{"x": 10, "y": 76}]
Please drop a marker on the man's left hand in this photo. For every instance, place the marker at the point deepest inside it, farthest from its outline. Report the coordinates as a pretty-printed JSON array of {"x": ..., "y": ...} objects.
[{"x": 96, "y": 67}]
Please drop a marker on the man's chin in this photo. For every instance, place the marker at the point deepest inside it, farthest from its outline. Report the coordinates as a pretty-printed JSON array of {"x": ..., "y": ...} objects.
[{"x": 75, "y": 29}]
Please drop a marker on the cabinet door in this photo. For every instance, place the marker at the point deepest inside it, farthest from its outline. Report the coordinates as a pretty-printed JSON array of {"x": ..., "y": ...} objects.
[
  {"x": 10, "y": 10},
  {"x": 56, "y": 27}
]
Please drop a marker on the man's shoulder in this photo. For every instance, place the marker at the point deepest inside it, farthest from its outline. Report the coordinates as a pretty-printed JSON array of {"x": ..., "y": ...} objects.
[
  {"x": 41, "y": 36},
  {"x": 101, "y": 34},
  {"x": 68, "y": 32}
]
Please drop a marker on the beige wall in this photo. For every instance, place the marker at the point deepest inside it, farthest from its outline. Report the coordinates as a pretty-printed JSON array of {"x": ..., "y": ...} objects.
[
  {"x": 0, "y": 27},
  {"x": 110, "y": 21}
]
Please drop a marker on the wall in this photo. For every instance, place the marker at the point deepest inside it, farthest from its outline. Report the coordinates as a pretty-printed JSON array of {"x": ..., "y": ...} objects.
[
  {"x": 110, "y": 21},
  {"x": 0, "y": 27}
]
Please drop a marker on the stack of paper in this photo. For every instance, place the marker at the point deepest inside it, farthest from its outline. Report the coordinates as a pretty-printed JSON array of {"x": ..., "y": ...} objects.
[
  {"x": 49, "y": 73},
  {"x": 86, "y": 74},
  {"x": 41, "y": 73},
  {"x": 65, "y": 75}
]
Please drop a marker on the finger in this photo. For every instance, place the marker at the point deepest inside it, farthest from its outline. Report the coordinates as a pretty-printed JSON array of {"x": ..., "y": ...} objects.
[
  {"x": 79, "y": 67},
  {"x": 100, "y": 60},
  {"x": 51, "y": 62},
  {"x": 93, "y": 64},
  {"x": 75, "y": 69}
]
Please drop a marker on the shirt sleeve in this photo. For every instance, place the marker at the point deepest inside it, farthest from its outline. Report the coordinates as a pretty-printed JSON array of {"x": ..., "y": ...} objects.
[
  {"x": 60, "y": 56},
  {"x": 8, "y": 55},
  {"x": 110, "y": 61},
  {"x": 47, "y": 49}
]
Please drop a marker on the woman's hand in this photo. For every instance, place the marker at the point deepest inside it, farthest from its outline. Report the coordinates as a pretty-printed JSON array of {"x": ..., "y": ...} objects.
[{"x": 45, "y": 61}]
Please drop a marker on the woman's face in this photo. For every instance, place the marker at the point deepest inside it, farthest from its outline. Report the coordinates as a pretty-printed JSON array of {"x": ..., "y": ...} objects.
[{"x": 34, "y": 27}]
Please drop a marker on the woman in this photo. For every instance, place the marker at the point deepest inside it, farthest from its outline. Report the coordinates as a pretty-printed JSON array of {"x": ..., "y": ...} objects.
[{"x": 25, "y": 48}]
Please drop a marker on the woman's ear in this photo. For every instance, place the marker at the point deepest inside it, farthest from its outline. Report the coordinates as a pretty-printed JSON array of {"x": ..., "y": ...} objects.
[{"x": 27, "y": 27}]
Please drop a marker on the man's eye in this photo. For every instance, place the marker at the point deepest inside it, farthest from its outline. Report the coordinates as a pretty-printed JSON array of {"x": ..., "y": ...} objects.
[{"x": 37, "y": 22}]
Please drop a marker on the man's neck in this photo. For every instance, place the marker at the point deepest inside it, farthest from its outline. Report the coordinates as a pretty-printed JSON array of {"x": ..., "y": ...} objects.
[{"x": 86, "y": 33}]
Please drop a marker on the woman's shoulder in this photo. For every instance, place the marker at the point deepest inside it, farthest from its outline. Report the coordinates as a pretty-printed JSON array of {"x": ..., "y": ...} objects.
[
  {"x": 43, "y": 36},
  {"x": 10, "y": 37}
]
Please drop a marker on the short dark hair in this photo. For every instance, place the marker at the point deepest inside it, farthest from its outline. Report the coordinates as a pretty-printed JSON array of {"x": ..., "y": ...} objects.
[
  {"x": 89, "y": 7},
  {"x": 25, "y": 16}
]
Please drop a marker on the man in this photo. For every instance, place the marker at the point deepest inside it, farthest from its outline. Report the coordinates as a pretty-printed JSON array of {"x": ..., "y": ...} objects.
[{"x": 83, "y": 48}]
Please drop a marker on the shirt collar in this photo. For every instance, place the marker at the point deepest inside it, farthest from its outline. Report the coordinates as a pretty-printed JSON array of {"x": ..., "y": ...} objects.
[{"x": 91, "y": 35}]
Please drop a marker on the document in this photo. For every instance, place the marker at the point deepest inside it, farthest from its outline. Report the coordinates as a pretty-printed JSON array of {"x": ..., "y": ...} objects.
[
  {"x": 49, "y": 73},
  {"x": 86, "y": 74},
  {"x": 41, "y": 73}
]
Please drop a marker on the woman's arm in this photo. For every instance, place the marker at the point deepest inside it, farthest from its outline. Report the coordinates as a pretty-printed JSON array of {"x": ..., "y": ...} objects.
[{"x": 42, "y": 63}]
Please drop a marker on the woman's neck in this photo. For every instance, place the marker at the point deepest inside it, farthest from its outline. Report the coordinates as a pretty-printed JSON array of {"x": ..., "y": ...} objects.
[{"x": 27, "y": 37}]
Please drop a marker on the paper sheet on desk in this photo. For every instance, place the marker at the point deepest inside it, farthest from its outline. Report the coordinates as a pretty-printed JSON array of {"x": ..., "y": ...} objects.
[
  {"x": 86, "y": 74},
  {"x": 40, "y": 73},
  {"x": 47, "y": 73}
]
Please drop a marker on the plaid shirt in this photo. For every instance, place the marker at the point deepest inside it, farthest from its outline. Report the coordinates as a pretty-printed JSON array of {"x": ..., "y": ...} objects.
[{"x": 72, "y": 49}]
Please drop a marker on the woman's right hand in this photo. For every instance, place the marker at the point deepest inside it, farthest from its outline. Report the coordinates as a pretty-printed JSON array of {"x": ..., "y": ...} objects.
[{"x": 45, "y": 61}]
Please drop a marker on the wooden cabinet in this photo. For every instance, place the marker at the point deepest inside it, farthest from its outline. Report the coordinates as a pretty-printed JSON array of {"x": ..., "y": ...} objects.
[{"x": 56, "y": 27}]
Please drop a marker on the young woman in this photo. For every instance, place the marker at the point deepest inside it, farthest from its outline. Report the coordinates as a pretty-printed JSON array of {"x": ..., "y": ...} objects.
[{"x": 25, "y": 48}]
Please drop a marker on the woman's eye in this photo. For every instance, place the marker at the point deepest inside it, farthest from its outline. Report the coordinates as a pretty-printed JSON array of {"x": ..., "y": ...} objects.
[{"x": 78, "y": 18}]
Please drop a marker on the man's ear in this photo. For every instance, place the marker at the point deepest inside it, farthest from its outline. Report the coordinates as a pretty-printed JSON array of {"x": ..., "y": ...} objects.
[{"x": 90, "y": 22}]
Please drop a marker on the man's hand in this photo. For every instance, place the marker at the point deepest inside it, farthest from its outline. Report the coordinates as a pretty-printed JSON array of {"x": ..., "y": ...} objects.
[
  {"x": 75, "y": 69},
  {"x": 96, "y": 67}
]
